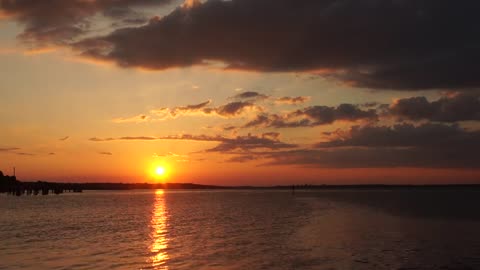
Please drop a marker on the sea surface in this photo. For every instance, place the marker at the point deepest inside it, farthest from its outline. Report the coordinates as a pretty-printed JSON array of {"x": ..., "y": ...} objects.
[{"x": 242, "y": 229}]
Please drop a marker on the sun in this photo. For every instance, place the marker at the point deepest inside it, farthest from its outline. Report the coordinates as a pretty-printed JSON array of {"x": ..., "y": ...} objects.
[{"x": 160, "y": 171}]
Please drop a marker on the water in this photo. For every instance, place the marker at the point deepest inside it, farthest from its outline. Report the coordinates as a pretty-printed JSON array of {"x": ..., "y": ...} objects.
[{"x": 241, "y": 230}]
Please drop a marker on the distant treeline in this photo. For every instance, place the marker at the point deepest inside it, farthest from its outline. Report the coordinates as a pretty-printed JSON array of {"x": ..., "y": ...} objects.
[
  {"x": 11, "y": 185},
  {"x": 129, "y": 186}
]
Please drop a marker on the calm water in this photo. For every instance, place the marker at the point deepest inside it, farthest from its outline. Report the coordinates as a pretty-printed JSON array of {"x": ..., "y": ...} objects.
[{"x": 241, "y": 230}]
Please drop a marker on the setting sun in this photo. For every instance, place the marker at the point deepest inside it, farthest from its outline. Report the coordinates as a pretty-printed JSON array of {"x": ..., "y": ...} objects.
[{"x": 160, "y": 171}]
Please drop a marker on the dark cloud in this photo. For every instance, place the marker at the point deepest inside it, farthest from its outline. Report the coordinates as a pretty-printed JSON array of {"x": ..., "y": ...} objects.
[
  {"x": 228, "y": 110},
  {"x": 372, "y": 104},
  {"x": 250, "y": 142},
  {"x": 105, "y": 153},
  {"x": 189, "y": 108},
  {"x": 459, "y": 107},
  {"x": 427, "y": 145},
  {"x": 61, "y": 22},
  {"x": 292, "y": 100},
  {"x": 64, "y": 138},
  {"x": 231, "y": 109},
  {"x": 95, "y": 139},
  {"x": 408, "y": 44},
  {"x": 243, "y": 158},
  {"x": 376, "y": 158},
  {"x": 250, "y": 95},
  {"x": 424, "y": 146},
  {"x": 406, "y": 135},
  {"x": 314, "y": 116}
]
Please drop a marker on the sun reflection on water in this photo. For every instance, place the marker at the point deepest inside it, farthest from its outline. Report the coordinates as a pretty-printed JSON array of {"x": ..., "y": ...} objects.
[{"x": 159, "y": 232}]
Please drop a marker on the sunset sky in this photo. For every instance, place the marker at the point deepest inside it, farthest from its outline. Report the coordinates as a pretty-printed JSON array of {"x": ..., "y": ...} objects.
[{"x": 241, "y": 92}]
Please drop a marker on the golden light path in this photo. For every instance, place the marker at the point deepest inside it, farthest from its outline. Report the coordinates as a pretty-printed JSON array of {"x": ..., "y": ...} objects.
[{"x": 159, "y": 232}]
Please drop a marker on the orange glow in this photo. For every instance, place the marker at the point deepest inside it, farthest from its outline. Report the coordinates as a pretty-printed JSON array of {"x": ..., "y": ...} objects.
[
  {"x": 4, "y": 15},
  {"x": 159, "y": 171},
  {"x": 159, "y": 232},
  {"x": 42, "y": 50}
]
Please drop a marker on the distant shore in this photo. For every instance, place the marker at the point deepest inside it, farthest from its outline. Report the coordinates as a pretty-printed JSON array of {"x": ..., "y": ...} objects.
[
  {"x": 146, "y": 186},
  {"x": 10, "y": 184},
  {"x": 133, "y": 186}
]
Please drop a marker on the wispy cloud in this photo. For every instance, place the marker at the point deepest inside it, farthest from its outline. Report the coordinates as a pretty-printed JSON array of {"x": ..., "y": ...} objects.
[
  {"x": 134, "y": 119},
  {"x": 228, "y": 110},
  {"x": 9, "y": 149},
  {"x": 15, "y": 151}
]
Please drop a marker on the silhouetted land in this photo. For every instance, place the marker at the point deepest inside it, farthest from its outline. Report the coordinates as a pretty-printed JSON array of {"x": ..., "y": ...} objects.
[{"x": 9, "y": 184}]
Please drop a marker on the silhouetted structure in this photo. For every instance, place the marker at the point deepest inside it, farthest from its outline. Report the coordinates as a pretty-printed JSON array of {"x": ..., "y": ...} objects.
[{"x": 10, "y": 185}]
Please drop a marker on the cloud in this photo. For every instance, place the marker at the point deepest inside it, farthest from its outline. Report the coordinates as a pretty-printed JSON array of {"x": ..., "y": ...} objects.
[
  {"x": 173, "y": 156},
  {"x": 139, "y": 138},
  {"x": 189, "y": 108},
  {"x": 239, "y": 143},
  {"x": 375, "y": 158},
  {"x": 292, "y": 100},
  {"x": 406, "y": 135},
  {"x": 14, "y": 150},
  {"x": 169, "y": 154},
  {"x": 458, "y": 107},
  {"x": 228, "y": 110},
  {"x": 313, "y": 116},
  {"x": 243, "y": 158},
  {"x": 404, "y": 45},
  {"x": 271, "y": 135},
  {"x": 405, "y": 145},
  {"x": 232, "y": 108},
  {"x": 229, "y": 128},
  {"x": 134, "y": 119},
  {"x": 64, "y": 138},
  {"x": 9, "y": 149},
  {"x": 424, "y": 146},
  {"x": 187, "y": 137},
  {"x": 251, "y": 142},
  {"x": 105, "y": 153},
  {"x": 62, "y": 22},
  {"x": 250, "y": 95},
  {"x": 24, "y": 154}
]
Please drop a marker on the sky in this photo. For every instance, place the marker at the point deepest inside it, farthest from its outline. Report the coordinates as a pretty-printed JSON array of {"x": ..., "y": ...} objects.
[{"x": 241, "y": 92}]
